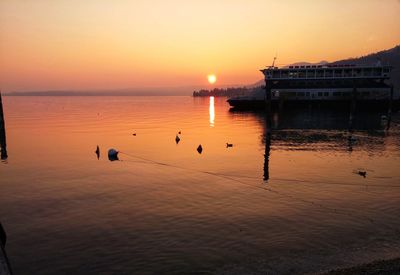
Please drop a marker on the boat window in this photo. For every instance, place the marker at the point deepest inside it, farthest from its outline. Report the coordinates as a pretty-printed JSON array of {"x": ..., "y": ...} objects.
[
  {"x": 377, "y": 71},
  {"x": 347, "y": 73},
  {"x": 326, "y": 94},
  {"x": 311, "y": 73},
  {"x": 367, "y": 72},
  {"x": 338, "y": 73},
  {"x": 357, "y": 72},
  {"x": 320, "y": 93},
  {"x": 328, "y": 73}
]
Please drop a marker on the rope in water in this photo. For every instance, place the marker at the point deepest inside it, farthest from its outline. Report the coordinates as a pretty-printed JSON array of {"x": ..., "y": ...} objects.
[
  {"x": 350, "y": 214},
  {"x": 258, "y": 178}
]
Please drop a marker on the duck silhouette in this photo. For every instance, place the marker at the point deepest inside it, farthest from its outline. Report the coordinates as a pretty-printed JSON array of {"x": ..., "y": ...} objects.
[
  {"x": 229, "y": 145},
  {"x": 362, "y": 173}
]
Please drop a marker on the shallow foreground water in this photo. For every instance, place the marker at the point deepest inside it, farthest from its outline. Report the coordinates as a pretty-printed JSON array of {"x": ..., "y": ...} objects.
[{"x": 291, "y": 204}]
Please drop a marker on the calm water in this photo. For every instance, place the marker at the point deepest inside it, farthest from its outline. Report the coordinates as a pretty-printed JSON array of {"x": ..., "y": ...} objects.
[{"x": 165, "y": 209}]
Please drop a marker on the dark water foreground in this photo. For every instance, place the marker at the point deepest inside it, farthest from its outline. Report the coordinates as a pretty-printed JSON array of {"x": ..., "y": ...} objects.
[
  {"x": 291, "y": 203},
  {"x": 391, "y": 266}
]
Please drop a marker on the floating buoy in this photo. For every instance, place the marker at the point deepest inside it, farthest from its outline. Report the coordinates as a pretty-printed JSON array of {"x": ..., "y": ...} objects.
[
  {"x": 177, "y": 139},
  {"x": 200, "y": 149},
  {"x": 98, "y": 152},
  {"x": 179, "y": 132},
  {"x": 134, "y": 134},
  {"x": 229, "y": 145},
  {"x": 113, "y": 155}
]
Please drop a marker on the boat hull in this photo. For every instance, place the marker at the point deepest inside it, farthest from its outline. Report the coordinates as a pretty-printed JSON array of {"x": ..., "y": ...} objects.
[{"x": 336, "y": 104}]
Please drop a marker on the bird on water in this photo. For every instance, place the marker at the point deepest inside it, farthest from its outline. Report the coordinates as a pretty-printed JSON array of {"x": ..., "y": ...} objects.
[
  {"x": 97, "y": 152},
  {"x": 200, "y": 149}
]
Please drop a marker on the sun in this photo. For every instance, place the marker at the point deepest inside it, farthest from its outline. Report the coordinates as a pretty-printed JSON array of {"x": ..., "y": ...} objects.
[{"x": 211, "y": 78}]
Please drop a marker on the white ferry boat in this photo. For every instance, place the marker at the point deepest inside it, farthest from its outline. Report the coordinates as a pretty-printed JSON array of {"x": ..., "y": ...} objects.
[{"x": 333, "y": 84}]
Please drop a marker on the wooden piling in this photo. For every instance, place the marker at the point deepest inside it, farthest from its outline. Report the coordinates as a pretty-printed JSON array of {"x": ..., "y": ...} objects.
[
  {"x": 268, "y": 125},
  {"x": 3, "y": 143},
  {"x": 268, "y": 129}
]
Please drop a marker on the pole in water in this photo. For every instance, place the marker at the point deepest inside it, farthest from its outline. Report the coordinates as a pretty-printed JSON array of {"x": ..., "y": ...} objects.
[
  {"x": 267, "y": 152},
  {"x": 3, "y": 143}
]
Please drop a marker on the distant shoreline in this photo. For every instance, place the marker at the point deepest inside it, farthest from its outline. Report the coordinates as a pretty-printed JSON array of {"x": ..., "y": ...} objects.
[{"x": 87, "y": 94}]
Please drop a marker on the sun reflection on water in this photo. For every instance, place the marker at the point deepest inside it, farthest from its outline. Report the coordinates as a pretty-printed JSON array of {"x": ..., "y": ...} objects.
[{"x": 212, "y": 111}]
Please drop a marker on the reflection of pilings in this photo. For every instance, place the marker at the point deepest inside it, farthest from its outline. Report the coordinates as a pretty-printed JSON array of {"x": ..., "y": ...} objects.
[
  {"x": 267, "y": 144},
  {"x": 351, "y": 116},
  {"x": 3, "y": 143},
  {"x": 353, "y": 104},
  {"x": 389, "y": 116}
]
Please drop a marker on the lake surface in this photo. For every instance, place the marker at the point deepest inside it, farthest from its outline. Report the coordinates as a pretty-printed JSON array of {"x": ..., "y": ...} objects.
[{"x": 293, "y": 203}]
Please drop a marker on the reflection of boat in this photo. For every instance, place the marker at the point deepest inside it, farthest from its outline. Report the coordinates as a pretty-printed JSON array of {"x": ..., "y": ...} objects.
[
  {"x": 330, "y": 85},
  {"x": 318, "y": 129}
]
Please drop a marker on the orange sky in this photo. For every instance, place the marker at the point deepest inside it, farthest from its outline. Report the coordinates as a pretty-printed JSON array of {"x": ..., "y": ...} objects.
[{"x": 101, "y": 44}]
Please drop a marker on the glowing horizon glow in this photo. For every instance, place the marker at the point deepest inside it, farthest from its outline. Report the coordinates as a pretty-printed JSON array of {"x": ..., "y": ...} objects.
[
  {"x": 100, "y": 44},
  {"x": 212, "y": 111},
  {"x": 211, "y": 78}
]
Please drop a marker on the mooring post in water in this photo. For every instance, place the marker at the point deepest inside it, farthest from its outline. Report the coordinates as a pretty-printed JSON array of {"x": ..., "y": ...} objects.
[
  {"x": 267, "y": 147},
  {"x": 3, "y": 143},
  {"x": 389, "y": 114},
  {"x": 268, "y": 130}
]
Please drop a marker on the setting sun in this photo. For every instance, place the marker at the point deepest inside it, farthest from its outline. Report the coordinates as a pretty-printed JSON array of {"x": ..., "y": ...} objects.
[{"x": 212, "y": 78}]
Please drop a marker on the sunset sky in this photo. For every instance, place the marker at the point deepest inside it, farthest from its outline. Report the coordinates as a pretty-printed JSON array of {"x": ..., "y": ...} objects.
[{"x": 102, "y": 44}]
